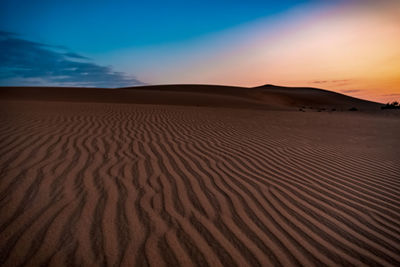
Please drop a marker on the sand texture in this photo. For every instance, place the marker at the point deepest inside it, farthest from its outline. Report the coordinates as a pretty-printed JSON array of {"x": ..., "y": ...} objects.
[{"x": 231, "y": 178}]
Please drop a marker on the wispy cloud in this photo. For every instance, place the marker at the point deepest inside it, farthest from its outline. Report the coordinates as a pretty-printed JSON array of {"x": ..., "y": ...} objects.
[
  {"x": 350, "y": 91},
  {"x": 74, "y": 55},
  {"x": 23, "y": 62},
  {"x": 395, "y": 94},
  {"x": 330, "y": 81}
]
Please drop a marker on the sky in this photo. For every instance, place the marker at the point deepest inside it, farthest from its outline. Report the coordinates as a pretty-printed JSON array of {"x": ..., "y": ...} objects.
[{"x": 348, "y": 46}]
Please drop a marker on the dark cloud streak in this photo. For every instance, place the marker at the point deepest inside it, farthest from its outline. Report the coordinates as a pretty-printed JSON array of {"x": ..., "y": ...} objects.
[
  {"x": 24, "y": 63},
  {"x": 351, "y": 91},
  {"x": 395, "y": 94},
  {"x": 330, "y": 81},
  {"x": 74, "y": 55}
]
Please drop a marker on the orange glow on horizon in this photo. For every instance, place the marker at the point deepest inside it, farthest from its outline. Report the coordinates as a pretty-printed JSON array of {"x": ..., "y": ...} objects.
[
  {"x": 352, "y": 49},
  {"x": 348, "y": 51}
]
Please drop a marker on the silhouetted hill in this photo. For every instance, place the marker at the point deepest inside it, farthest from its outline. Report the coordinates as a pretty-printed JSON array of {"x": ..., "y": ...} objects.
[{"x": 266, "y": 97}]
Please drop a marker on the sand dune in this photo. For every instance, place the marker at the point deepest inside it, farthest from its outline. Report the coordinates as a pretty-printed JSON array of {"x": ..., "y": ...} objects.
[
  {"x": 243, "y": 180},
  {"x": 264, "y": 97}
]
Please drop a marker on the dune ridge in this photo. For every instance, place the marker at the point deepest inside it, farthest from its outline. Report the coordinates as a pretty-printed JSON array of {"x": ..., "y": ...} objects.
[
  {"x": 114, "y": 184},
  {"x": 262, "y": 97}
]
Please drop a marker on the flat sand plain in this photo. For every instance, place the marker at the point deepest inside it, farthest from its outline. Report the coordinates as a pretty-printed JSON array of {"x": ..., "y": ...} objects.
[{"x": 212, "y": 183}]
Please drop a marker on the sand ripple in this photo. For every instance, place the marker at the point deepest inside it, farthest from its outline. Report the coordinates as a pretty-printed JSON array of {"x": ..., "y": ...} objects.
[{"x": 131, "y": 185}]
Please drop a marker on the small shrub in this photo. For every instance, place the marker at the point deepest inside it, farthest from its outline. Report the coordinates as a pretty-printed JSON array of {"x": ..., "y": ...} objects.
[
  {"x": 353, "y": 109},
  {"x": 393, "y": 105}
]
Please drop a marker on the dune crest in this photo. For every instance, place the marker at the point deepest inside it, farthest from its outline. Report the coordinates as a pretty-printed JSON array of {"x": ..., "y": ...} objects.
[{"x": 263, "y": 97}]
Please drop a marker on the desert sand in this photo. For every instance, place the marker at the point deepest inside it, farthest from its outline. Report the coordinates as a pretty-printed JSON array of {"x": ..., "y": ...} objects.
[{"x": 197, "y": 176}]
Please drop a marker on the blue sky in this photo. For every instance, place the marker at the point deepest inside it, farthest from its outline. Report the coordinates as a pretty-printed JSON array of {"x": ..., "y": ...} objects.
[
  {"x": 101, "y": 26},
  {"x": 247, "y": 43},
  {"x": 37, "y": 35}
]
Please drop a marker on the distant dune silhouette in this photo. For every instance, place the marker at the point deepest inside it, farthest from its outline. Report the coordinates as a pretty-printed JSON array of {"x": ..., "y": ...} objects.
[{"x": 267, "y": 96}]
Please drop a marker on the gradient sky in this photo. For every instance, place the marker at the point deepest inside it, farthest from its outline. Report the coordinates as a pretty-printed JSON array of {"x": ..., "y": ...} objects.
[{"x": 348, "y": 46}]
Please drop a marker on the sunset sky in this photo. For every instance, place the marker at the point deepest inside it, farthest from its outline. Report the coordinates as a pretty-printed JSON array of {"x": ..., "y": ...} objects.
[{"x": 349, "y": 46}]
